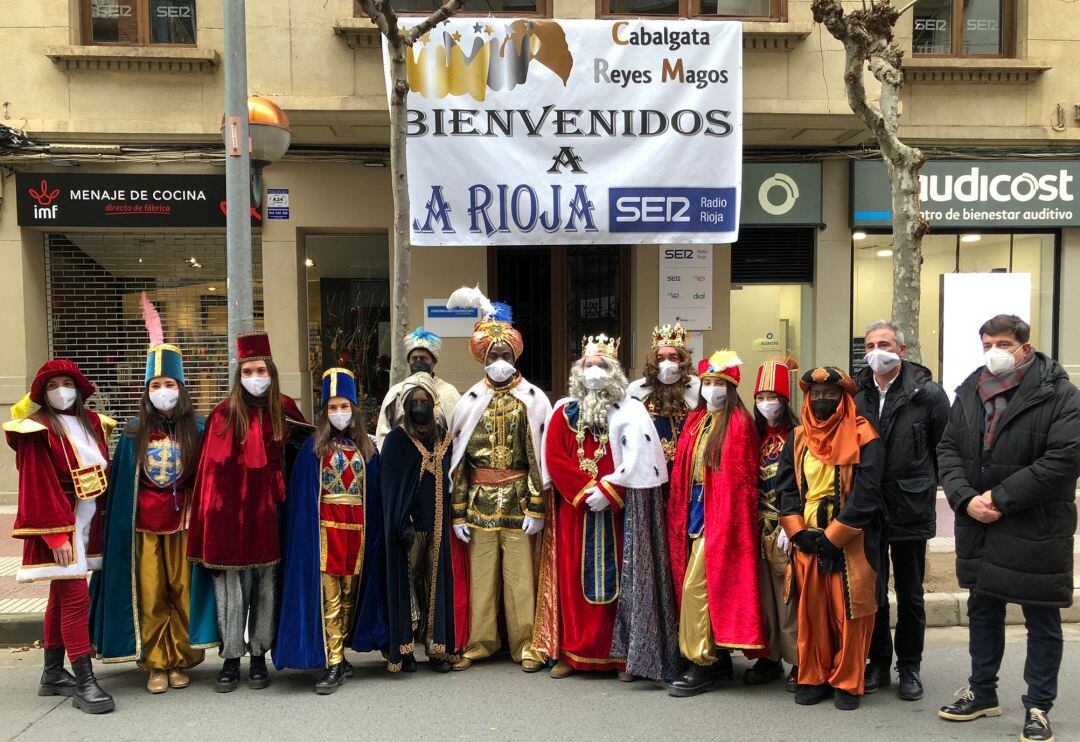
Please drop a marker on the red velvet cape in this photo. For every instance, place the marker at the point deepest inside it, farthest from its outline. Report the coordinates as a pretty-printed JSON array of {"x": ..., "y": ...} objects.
[
  {"x": 237, "y": 489},
  {"x": 732, "y": 533}
]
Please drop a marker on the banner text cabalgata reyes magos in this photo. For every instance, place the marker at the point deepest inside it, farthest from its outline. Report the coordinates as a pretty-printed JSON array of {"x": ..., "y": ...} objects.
[{"x": 534, "y": 131}]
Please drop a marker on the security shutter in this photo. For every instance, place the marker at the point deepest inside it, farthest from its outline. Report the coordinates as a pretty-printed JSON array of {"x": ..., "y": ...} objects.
[
  {"x": 773, "y": 255},
  {"x": 95, "y": 319}
]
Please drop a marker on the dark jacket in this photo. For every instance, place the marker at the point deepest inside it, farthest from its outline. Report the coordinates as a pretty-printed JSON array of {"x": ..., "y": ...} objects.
[
  {"x": 1026, "y": 556},
  {"x": 916, "y": 411}
]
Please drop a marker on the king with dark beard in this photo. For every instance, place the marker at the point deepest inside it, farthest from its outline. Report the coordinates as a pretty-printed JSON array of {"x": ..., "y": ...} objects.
[
  {"x": 606, "y": 600},
  {"x": 669, "y": 389}
]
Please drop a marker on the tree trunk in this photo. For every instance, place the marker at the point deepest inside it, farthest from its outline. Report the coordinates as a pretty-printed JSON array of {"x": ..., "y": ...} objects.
[
  {"x": 907, "y": 253},
  {"x": 399, "y": 174}
]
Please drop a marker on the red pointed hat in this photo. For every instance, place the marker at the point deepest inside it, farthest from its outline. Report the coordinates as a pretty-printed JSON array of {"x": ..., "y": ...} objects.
[
  {"x": 59, "y": 367},
  {"x": 775, "y": 376},
  {"x": 253, "y": 346}
]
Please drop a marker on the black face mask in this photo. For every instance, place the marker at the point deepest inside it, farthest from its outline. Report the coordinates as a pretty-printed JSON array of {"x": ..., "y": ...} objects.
[
  {"x": 823, "y": 409},
  {"x": 420, "y": 413},
  {"x": 418, "y": 367}
]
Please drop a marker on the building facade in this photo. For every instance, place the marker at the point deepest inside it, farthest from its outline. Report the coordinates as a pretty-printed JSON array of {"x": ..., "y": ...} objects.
[{"x": 116, "y": 97}]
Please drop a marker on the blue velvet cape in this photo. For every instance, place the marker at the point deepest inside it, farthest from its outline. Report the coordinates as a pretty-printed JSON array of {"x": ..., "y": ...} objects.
[
  {"x": 300, "y": 643},
  {"x": 114, "y": 609}
]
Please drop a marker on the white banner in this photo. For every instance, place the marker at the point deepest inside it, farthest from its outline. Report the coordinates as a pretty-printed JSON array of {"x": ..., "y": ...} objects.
[{"x": 575, "y": 132}]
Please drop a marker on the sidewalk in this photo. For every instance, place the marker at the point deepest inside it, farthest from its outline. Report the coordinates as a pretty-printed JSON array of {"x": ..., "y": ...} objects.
[{"x": 23, "y": 606}]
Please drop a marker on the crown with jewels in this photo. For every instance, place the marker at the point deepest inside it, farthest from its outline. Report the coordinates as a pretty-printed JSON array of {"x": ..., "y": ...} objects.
[
  {"x": 600, "y": 345},
  {"x": 669, "y": 336}
]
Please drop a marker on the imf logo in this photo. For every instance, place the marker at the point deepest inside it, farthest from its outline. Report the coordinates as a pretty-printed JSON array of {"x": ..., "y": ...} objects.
[{"x": 45, "y": 208}]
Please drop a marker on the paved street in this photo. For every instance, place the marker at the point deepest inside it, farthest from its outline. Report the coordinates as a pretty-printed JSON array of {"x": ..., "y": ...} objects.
[{"x": 498, "y": 701}]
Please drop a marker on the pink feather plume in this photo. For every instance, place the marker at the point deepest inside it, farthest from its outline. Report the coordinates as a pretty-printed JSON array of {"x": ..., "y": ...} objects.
[{"x": 152, "y": 320}]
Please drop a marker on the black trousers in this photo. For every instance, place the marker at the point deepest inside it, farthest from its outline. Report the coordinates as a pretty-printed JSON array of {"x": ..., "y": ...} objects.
[
  {"x": 908, "y": 569},
  {"x": 986, "y": 645}
]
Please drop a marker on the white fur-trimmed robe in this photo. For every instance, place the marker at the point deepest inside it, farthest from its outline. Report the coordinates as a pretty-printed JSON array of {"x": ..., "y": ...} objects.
[{"x": 640, "y": 390}]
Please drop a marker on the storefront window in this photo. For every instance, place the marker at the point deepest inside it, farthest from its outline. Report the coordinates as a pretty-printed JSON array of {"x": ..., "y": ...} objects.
[
  {"x": 962, "y": 27},
  {"x": 348, "y": 281},
  {"x": 769, "y": 322},
  {"x": 948, "y": 253},
  {"x": 748, "y": 9}
]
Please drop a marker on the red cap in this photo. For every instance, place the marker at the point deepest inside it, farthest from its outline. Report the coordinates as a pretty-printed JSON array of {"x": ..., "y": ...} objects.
[
  {"x": 59, "y": 367},
  {"x": 774, "y": 376},
  {"x": 253, "y": 346},
  {"x": 723, "y": 364}
]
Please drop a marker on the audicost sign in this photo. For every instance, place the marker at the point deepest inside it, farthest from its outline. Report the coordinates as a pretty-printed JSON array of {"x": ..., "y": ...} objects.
[
  {"x": 543, "y": 131},
  {"x": 121, "y": 200},
  {"x": 976, "y": 193}
]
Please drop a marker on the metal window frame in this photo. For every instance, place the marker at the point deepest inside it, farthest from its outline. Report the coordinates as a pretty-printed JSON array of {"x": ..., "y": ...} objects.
[
  {"x": 142, "y": 15},
  {"x": 1008, "y": 35}
]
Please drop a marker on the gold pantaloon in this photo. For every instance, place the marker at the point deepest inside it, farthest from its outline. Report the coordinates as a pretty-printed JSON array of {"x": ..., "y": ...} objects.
[
  {"x": 164, "y": 581},
  {"x": 501, "y": 562},
  {"x": 695, "y": 628},
  {"x": 338, "y": 602}
]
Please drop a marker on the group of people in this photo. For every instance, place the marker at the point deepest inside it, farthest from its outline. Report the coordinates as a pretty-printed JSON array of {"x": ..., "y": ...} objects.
[{"x": 649, "y": 529}]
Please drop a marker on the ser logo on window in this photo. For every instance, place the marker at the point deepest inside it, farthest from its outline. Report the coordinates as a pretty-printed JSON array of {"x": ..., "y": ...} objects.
[
  {"x": 110, "y": 9},
  {"x": 931, "y": 24},
  {"x": 183, "y": 11}
]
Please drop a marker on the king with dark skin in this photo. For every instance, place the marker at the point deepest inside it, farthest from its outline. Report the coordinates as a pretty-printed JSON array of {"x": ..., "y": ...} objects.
[{"x": 500, "y": 352}]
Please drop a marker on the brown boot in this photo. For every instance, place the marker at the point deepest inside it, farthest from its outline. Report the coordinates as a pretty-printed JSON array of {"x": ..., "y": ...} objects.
[
  {"x": 158, "y": 682},
  {"x": 561, "y": 670},
  {"x": 177, "y": 678}
]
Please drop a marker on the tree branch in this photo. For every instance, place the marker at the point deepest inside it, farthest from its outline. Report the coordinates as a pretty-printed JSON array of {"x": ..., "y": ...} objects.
[{"x": 446, "y": 11}]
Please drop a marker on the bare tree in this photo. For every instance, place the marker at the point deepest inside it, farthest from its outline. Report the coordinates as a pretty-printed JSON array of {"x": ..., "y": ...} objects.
[
  {"x": 400, "y": 41},
  {"x": 867, "y": 36}
]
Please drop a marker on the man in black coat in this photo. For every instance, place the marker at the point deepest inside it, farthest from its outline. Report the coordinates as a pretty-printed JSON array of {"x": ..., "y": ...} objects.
[
  {"x": 1009, "y": 461},
  {"x": 909, "y": 412}
]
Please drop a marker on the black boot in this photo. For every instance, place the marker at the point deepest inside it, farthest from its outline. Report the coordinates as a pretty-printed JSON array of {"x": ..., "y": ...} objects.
[
  {"x": 348, "y": 668},
  {"x": 55, "y": 680},
  {"x": 724, "y": 668},
  {"x": 876, "y": 677},
  {"x": 809, "y": 695},
  {"x": 763, "y": 671},
  {"x": 439, "y": 665},
  {"x": 695, "y": 681},
  {"x": 332, "y": 679},
  {"x": 846, "y": 701},
  {"x": 228, "y": 676},
  {"x": 89, "y": 696},
  {"x": 258, "y": 675},
  {"x": 911, "y": 687},
  {"x": 408, "y": 662}
]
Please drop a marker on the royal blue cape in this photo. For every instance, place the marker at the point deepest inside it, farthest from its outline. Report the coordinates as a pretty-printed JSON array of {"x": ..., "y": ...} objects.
[
  {"x": 300, "y": 642},
  {"x": 114, "y": 619}
]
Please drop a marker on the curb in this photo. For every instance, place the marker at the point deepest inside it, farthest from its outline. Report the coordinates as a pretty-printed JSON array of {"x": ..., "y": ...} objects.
[
  {"x": 20, "y": 629},
  {"x": 950, "y": 609}
]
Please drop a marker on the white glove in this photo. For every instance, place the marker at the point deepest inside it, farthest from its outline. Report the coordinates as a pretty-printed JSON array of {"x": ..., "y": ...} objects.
[
  {"x": 597, "y": 500},
  {"x": 462, "y": 532},
  {"x": 532, "y": 526},
  {"x": 782, "y": 540}
]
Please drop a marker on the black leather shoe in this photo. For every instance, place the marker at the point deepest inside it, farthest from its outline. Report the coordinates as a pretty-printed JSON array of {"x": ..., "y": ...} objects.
[
  {"x": 763, "y": 671},
  {"x": 810, "y": 695},
  {"x": 876, "y": 677},
  {"x": 792, "y": 683},
  {"x": 967, "y": 707},
  {"x": 846, "y": 701},
  {"x": 724, "y": 668},
  {"x": 258, "y": 675},
  {"x": 694, "y": 681},
  {"x": 910, "y": 687},
  {"x": 332, "y": 679},
  {"x": 348, "y": 668},
  {"x": 88, "y": 695},
  {"x": 228, "y": 676},
  {"x": 439, "y": 665},
  {"x": 55, "y": 680},
  {"x": 408, "y": 662},
  {"x": 1037, "y": 727}
]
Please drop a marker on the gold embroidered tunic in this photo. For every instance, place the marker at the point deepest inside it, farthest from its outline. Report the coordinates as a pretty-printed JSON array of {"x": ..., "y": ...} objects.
[{"x": 498, "y": 481}]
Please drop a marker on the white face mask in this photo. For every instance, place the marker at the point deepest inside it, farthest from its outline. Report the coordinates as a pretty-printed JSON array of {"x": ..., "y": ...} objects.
[
  {"x": 164, "y": 399},
  {"x": 999, "y": 361},
  {"x": 714, "y": 397},
  {"x": 882, "y": 361},
  {"x": 595, "y": 377},
  {"x": 340, "y": 420},
  {"x": 668, "y": 372},
  {"x": 770, "y": 410},
  {"x": 256, "y": 385},
  {"x": 500, "y": 371},
  {"x": 61, "y": 398}
]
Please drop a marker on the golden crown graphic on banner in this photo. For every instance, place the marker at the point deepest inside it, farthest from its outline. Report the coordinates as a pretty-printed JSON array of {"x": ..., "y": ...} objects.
[{"x": 497, "y": 58}]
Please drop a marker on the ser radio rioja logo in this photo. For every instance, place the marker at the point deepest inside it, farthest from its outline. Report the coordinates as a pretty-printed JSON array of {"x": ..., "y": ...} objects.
[{"x": 45, "y": 208}]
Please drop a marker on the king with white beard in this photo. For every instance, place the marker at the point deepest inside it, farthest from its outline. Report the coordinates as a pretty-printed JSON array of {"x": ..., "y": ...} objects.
[{"x": 602, "y": 591}]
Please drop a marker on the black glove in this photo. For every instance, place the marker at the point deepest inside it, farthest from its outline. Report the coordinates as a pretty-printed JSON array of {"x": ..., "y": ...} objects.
[
  {"x": 805, "y": 541},
  {"x": 405, "y": 540},
  {"x": 830, "y": 556}
]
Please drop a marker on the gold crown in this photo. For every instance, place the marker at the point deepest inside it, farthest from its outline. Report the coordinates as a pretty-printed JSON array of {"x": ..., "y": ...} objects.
[
  {"x": 669, "y": 336},
  {"x": 600, "y": 345}
]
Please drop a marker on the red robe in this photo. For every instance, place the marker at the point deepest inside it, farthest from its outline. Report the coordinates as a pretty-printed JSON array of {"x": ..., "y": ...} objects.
[
  {"x": 47, "y": 496},
  {"x": 732, "y": 534},
  {"x": 585, "y": 628},
  {"x": 238, "y": 487}
]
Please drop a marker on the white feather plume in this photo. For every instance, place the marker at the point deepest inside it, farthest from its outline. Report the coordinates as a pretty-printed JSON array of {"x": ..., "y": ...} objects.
[{"x": 471, "y": 297}]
